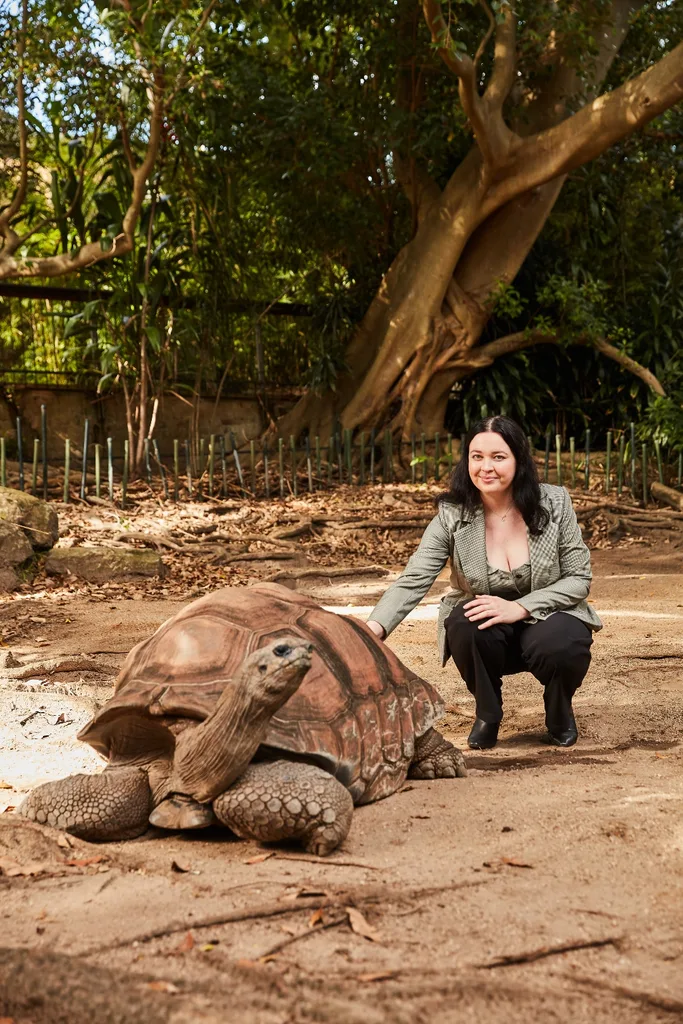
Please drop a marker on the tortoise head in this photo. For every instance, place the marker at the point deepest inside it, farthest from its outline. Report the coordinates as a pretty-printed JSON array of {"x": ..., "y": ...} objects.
[{"x": 273, "y": 673}]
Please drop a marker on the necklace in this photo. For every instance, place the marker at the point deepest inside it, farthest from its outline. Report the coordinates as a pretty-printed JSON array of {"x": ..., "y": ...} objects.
[{"x": 505, "y": 514}]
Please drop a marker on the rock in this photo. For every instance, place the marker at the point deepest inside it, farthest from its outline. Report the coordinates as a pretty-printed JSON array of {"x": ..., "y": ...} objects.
[
  {"x": 100, "y": 565},
  {"x": 8, "y": 579},
  {"x": 36, "y": 517},
  {"x": 14, "y": 547}
]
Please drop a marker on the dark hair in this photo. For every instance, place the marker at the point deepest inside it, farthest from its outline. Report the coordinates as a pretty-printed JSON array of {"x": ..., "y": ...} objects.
[{"x": 526, "y": 489}]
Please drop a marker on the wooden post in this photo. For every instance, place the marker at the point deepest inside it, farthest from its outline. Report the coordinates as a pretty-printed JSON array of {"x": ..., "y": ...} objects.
[
  {"x": 266, "y": 478},
  {"x": 546, "y": 459},
  {"x": 162, "y": 471},
  {"x": 224, "y": 466},
  {"x": 20, "y": 454},
  {"x": 620, "y": 464},
  {"x": 413, "y": 456},
  {"x": 347, "y": 456},
  {"x": 212, "y": 462},
  {"x": 572, "y": 461},
  {"x": 437, "y": 457},
  {"x": 200, "y": 469},
  {"x": 252, "y": 465},
  {"x": 188, "y": 469},
  {"x": 3, "y": 463},
  {"x": 309, "y": 466},
  {"x": 608, "y": 463},
  {"x": 124, "y": 475},
  {"x": 176, "y": 468},
  {"x": 98, "y": 470},
  {"x": 84, "y": 467},
  {"x": 43, "y": 436},
  {"x": 633, "y": 459},
  {"x": 330, "y": 458},
  {"x": 67, "y": 467},
  {"x": 318, "y": 463},
  {"x": 34, "y": 468},
  {"x": 660, "y": 468},
  {"x": 238, "y": 464},
  {"x": 558, "y": 458},
  {"x": 110, "y": 467},
  {"x": 449, "y": 454},
  {"x": 292, "y": 448},
  {"x": 644, "y": 473},
  {"x": 372, "y": 456},
  {"x": 587, "y": 467},
  {"x": 423, "y": 454},
  {"x": 281, "y": 462}
]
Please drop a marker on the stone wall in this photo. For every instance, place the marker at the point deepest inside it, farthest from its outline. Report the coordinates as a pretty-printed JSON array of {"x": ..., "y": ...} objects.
[{"x": 67, "y": 409}]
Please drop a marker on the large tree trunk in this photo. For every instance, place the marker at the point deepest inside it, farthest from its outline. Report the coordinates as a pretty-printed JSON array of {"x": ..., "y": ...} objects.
[{"x": 421, "y": 331}]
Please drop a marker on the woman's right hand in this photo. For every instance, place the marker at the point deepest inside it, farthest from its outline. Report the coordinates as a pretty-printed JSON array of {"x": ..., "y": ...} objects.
[{"x": 376, "y": 628}]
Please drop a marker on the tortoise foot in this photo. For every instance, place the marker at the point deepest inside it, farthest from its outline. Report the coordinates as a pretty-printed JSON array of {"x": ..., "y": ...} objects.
[
  {"x": 111, "y": 806},
  {"x": 182, "y": 812},
  {"x": 275, "y": 800},
  {"x": 436, "y": 758}
]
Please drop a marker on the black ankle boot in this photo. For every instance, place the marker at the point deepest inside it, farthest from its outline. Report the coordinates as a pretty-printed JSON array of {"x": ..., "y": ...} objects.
[
  {"x": 483, "y": 735},
  {"x": 566, "y": 737}
]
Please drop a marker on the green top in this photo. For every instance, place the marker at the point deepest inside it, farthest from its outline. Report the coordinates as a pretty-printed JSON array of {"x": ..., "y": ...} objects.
[{"x": 510, "y": 583}]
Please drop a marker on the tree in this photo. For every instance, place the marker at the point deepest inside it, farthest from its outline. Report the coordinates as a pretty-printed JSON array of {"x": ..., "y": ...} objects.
[{"x": 533, "y": 107}]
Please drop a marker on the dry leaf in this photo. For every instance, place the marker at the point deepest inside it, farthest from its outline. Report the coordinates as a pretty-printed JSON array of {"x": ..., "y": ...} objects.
[
  {"x": 315, "y": 918},
  {"x": 208, "y": 946},
  {"x": 163, "y": 986},
  {"x": 182, "y": 869},
  {"x": 85, "y": 862},
  {"x": 360, "y": 926},
  {"x": 259, "y": 858},
  {"x": 186, "y": 945},
  {"x": 5, "y": 785},
  {"x": 513, "y": 863},
  {"x": 377, "y": 976}
]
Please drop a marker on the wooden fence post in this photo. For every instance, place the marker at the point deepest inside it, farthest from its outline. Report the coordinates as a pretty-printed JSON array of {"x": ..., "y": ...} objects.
[
  {"x": 110, "y": 467},
  {"x": 608, "y": 466},
  {"x": 660, "y": 468},
  {"x": 372, "y": 456},
  {"x": 43, "y": 435},
  {"x": 98, "y": 470},
  {"x": 572, "y": 461},
  {"x": 558, "y": 458},
  {"x": 281, "y": 463},
  {"x": 437, "y": 457},
  {"x": 238, "y": 464},
  {"x": 188, "y": 468},
  {"x": 309, "y": 467},
  {"x": 620, "y": 464},
  {"x": 330, "y": 458},
  {"x": 176, "y": 468},
  {"x": 361, "y": 471},
  {"x": 84, "y": 466},
  {"x": 266, "y": 477},
  {"x": 67, "y": 467},
  {"x": 34, "y": 467},
  {"x": 162, "y": 471},
  {"x": 124, "y": 476},
  {"x": 20, "y": 454},
  {"x": 292, "y": 448},
  {"x": 212, "y": 462},
  {"x": 644, "y": 463},
  {"x": 224, "y": 467},
  {"x": 252, "y": 465},
  {"x": 633, "y": 460}
]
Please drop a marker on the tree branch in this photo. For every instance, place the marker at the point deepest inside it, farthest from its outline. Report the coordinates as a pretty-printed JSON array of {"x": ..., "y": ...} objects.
[
  {"x": 504, "y": 62},
  {"x": 491, "y": 29},
  {"x": 479, "y": 358},
  {"x": 590, "y": 131}
]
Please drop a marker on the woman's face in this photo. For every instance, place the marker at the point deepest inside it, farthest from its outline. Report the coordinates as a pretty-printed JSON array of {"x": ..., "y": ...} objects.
[{"x": 492, "y": 465}]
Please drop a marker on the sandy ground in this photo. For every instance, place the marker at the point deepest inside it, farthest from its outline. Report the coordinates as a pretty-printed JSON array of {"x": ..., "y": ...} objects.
[{"x": 539, "y": 849}]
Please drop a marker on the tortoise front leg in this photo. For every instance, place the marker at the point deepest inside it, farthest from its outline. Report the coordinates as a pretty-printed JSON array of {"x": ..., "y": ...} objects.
[
  {"x": 274, "y": 800},
  {"x": 111, "y": 806},
  {"x": 436, "y": 758}
]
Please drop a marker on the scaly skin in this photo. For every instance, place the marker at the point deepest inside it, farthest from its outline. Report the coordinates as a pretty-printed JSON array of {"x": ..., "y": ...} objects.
[
  {"x": 274, "y": 800},
  {"x": 110, "y": 806},
  {"x": 436, "y": 758}
]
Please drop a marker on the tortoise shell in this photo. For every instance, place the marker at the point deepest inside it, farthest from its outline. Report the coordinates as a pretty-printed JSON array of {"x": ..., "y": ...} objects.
[{"x": 357, "y": 713}]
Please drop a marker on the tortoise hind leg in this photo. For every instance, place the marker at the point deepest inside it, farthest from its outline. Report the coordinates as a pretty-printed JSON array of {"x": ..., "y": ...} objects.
[
  {"x": 111, "y": 806},
  {"x": 436, "y": 758},
  {"x": 274, "y": 800}
]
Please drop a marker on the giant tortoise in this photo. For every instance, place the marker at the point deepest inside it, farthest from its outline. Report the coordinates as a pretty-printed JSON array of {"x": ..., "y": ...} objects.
[{"x": 259, "y": 708}]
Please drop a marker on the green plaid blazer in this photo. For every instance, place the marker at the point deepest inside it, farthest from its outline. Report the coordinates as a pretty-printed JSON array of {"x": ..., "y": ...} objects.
[{"x": 560, "y": 567}]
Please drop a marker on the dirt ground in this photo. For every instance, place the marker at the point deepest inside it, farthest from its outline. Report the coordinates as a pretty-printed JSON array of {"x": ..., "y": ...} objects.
[{"x": 546, "y": 886}]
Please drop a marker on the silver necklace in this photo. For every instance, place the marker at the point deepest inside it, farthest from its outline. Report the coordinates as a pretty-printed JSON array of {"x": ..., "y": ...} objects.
[{"x": 505, "y": 514}]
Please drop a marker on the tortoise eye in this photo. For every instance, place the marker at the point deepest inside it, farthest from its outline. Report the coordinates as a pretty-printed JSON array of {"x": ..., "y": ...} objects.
[{"x": 282, "y": 650}]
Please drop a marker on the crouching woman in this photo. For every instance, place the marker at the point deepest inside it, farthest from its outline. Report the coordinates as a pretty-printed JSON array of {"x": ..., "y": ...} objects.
[{"x": 520, "y": 576}]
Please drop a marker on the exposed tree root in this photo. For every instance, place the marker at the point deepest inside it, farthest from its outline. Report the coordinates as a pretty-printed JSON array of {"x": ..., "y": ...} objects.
[
  {"x": 356, "y": 571},
  {"x": 661, "y": 1002},
  {"x": 544, "y": 951}
]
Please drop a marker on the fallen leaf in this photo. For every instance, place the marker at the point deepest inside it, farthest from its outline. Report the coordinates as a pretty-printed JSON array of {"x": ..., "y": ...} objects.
[
  {"x": 360, "y": 926},
  {"x": 259, "y": 858},
  {"x": 186, "y": 945},
  {"x": 163, "y": 986},
  {"x": 377, "y": 976},
  {"x": 5, "y": 785},
  {"x": 512, "y": 862},
  {"x": 208, "y": 946},
  {"x": 182, "y": 869},
  {"x": 315, "y": 918}
]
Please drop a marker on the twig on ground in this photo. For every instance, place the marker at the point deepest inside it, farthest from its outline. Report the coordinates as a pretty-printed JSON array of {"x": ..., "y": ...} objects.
[
  {"x": 356, "y": 570},
  {"x": 291, "y": 939},
  {"x": 148, "y": 538},
  {"x": 327, "y": 861},
  {"x": 532, "y": 955}
]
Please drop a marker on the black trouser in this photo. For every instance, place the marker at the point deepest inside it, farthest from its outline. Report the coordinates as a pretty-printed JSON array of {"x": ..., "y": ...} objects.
[{"x": 555, "y": 650}]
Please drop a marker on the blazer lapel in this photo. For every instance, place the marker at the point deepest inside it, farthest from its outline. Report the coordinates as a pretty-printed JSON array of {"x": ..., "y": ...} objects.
[
  {"x": 469, "y": 544},
  {"x": 543, "y": 552}
]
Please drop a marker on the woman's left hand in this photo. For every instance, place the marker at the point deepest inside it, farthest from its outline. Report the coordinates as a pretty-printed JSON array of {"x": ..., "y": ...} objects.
[{"x": 494, "y": 610}]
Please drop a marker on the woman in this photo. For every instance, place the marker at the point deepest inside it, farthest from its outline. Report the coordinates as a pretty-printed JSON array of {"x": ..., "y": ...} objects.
[{"x": 520, "y": 576}]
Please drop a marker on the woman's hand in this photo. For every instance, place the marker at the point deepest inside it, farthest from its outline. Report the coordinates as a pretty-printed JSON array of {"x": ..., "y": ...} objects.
[
  {"x": 376, "y": 628},
  {"x": 494, "y": 610}
]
